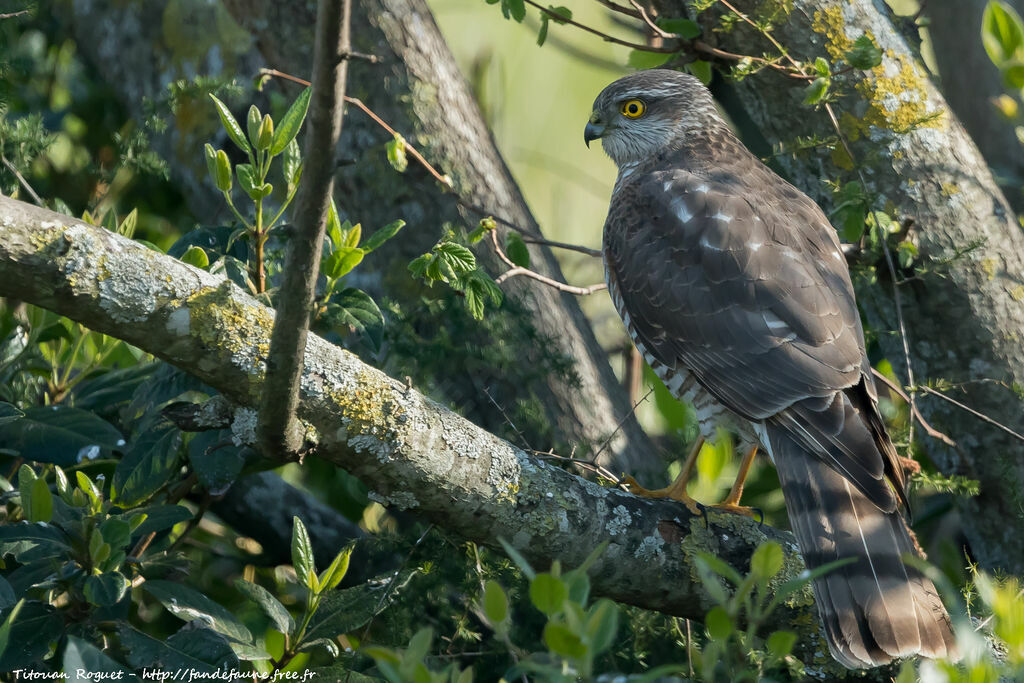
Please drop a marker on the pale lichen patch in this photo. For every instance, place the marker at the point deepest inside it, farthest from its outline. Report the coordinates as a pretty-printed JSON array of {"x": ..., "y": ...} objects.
[
  {"x": 243, "y": 427},
  {"x": 651, "y": 548},
  {"x": 619, "y": 522}
]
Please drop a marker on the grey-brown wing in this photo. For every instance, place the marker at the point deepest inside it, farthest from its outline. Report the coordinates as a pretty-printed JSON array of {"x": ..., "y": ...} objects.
[{"x": 748, "y": 289}]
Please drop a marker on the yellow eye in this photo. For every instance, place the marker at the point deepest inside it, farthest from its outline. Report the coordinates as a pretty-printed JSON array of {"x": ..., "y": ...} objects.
[{"x": 633, "y": 109}]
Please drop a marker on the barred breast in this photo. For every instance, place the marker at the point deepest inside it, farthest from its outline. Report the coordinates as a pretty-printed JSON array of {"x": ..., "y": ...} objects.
[{"x": 682, "y": 384}]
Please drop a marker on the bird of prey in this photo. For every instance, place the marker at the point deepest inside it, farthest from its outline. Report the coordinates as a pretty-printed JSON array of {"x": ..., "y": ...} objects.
[{"x": 733, "y": 286}]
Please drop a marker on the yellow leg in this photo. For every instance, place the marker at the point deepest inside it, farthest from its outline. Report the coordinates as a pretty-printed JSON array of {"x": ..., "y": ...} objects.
[
  {"x": 732, "y": 501},
  {"x": 677, "y": 489}
]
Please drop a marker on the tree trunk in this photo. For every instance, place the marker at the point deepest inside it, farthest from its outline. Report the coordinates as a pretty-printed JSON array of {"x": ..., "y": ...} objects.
[
  {"x": 965, "y": 320},
  {"x": 417, "y": 88},
  {"x": 414, "y": 452},
  {"x": 969, "y": 82}
]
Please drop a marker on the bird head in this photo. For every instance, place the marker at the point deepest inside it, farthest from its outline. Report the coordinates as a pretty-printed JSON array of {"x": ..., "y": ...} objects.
[{"x": 648, "y": 112}]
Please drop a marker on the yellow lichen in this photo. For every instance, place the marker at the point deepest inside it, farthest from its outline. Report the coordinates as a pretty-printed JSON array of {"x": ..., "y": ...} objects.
[
  {"x": 1017, "y": 293},
  {"x": 895, "y": 90},
  {"x": 949, "y": 189},
  {"x": 989, "y": 266}
]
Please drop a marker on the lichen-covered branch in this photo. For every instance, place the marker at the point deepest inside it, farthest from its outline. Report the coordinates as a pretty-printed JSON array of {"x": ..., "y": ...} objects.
[
  {"x": 964, "y": 316},
  {"x": 412, "y": 451}
]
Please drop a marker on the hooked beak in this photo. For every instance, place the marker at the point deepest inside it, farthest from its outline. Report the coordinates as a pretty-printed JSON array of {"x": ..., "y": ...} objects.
[{"x": 593, "y": 131}]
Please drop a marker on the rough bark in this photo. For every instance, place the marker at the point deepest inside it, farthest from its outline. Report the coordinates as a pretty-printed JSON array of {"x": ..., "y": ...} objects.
[
  {"x": 416, "y": 86},
  {"x": 969, "y": 81},
  {"x": 414, "y": 452},
  {"x": 964, "y": 321}
]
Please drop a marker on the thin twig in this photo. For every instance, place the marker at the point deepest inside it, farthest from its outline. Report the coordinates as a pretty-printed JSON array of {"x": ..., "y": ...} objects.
[
  {"x": 21, "y": 178},
  {"x": 972, "y": 411},
  {"x": 658, "y": 31},
  {"x": 621, "y": 422},
  {"x": 526, "y": 272},
  {"x": 600, "y": 470},
  {"x": 895, "y": 388},
  {"x": 621, "y": 9},
  {"x": 563, "y": 245},
  {"x": 604, "y": 36},
  {"x": 11, "y": 15},
  {"x": 526, "y": 444},
  {"x": 391, "y": 582}
]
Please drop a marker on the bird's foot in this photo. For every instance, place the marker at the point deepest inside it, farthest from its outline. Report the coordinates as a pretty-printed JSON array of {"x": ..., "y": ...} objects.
[
  {"x": 737, "y": 509},
  {"x": 675, "y": 491}
]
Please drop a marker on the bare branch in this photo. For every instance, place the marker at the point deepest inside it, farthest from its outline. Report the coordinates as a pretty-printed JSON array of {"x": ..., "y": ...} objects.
[
  {"x": 279, "y": 429},
  {"x": 898, "y": 390},
  {"x": 972, "y": 411},
  {"x": 21, "y": 179},
  {"x": 526, "y": 272}
]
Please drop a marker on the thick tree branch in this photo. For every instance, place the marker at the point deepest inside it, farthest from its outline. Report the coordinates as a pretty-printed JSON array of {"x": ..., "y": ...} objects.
[
  {"x": 412, "y": 451},
  {"x": 279, "y": 429}
]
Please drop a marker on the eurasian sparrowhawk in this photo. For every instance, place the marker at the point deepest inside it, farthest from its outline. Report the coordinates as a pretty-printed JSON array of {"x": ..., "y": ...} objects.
[{"x": 733, "y": 286}]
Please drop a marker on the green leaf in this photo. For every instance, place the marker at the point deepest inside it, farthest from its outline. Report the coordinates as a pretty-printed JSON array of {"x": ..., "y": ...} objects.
[
  {"x": 247, "y": 180},
  {"x": 458, "y": 257},
  {"x": 189, "y": 604},
  {"x": 41, "y": 507},
  {"x": 197, "y": 650},
  {"x": 720, "y": 567},
  {"x": 344, "y": 611},
  {"x": 356, "y": 309},
  {"x": 83, "y": 656},
  {"x": 514, "y": 9},
  {"x": 602, "y": 624},
  {"x": 211, "y": 162},
  {"x": 196, "y": 256},
  {"x": 396, "y": 153},
  {"x": 564, "y": 14},
  {"x": 222, "y": 172},
  {"x": 117, "y": 532},
  {"x": 252, "y": 124},
  {"x": 9, "y": 413},
  {"x": 542, "y": 32},
  {"x": 333, "y": 228},
  {"x": 270, "y": 605},
  {"x": 806, "y": 577},
  {"x": 291, "y": 164},
  {"x": 718, "y": 623},
  {"x": 150, "y": 463},
  {"x": 865, "y": 54},
  {"x": 815, "y": 92},
  {"x": 495, "y": 603},
  {"x": 60, "y": 435},
  {"x": 821, "y": 66},
  {"x": 515, "y": 249},
  {"x": 104, "y": 590},
  {"x": 700, "y": 69},
  {"x": 216, "y": 461},
  {"x": 906, "y": 251},
  {"x": 548, "y": 593},
  {"x": 781, "y": 643},
  {"x": 1013, "y": 74},
  {"x": 332, "y": 576},
  {"x": 642, "y": 59},
  {"x": 1002, "y": 32},
  {"x": 291, "y": 123},
  {"x": 160, "y": 517},
  {"x": 29, "y": 630},
  {"x": 766, "y": 561},
  {"x": 563, "y": 642},
  {"x": 231, "y": 125},
  {"x": 681, "y": 27},
  {"x": 383, "y": 235},
  {"x": 265, "y": 135},
  {"x": 302, "y": 555},
  {"x": 341, "y": 261},
  {"x": 351, "y": 234}
]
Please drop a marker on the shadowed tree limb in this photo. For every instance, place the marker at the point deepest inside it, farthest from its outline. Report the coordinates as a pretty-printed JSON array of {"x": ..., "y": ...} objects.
[
  {"x": 279, "y": 431},
  {"x": 414, "y": 452}
]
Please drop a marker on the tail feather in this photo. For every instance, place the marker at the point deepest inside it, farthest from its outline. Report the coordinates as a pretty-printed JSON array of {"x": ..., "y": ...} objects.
[{"x": 875, "y": 609}]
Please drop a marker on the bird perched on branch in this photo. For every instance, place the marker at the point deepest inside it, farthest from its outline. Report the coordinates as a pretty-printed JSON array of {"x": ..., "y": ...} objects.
[{"x": 733, "y": 286}]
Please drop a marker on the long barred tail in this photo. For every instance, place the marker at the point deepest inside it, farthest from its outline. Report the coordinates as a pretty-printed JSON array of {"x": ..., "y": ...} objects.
[{"x": 876, "y": 609}]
